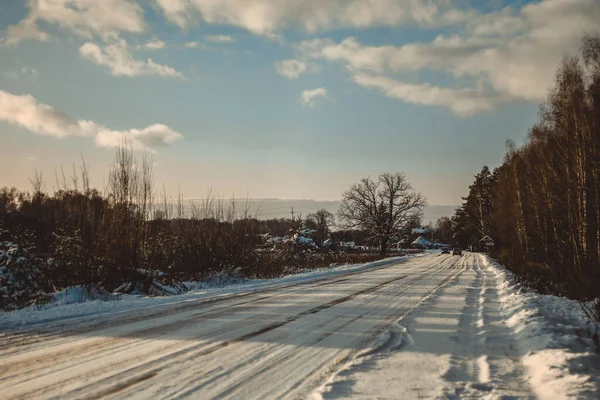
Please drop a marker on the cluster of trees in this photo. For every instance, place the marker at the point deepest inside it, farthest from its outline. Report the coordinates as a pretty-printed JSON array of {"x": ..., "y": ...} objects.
[
  {"x": 85, "y": 237},
  {"x": 443, "y": 230},
  {"x": 129, "y": 238},
  {"x": 474, "y": 218},
  {"x": 542, "y": 204}
]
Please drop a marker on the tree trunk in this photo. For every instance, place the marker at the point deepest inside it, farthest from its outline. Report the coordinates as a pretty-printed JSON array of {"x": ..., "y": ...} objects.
[
  {"x": 383, "y": 246},
  {"x": 590, "y": 215}
]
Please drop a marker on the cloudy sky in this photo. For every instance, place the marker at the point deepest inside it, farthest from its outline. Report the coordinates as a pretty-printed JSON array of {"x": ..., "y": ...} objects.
[{"x": 286, "y": 98}]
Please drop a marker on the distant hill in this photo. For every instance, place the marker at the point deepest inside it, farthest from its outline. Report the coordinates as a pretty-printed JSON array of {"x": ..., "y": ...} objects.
[{"x": 281, "y": 208}]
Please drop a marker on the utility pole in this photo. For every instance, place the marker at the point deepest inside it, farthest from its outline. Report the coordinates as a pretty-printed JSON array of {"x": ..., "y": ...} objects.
[{"x": 293, "y": 222}]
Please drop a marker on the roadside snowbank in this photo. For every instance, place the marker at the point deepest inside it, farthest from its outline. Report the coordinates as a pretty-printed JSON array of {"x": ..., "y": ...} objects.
[
  {"x": 555, "y": 336},
  {"x": 77, "y": 303}
]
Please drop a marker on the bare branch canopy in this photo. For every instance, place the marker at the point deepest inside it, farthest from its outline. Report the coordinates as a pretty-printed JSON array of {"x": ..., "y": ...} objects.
[{"x": 381, "y": 207}]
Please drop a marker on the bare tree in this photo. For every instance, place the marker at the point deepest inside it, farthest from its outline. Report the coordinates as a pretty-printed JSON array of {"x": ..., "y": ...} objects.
[
  {"x": 130, "y": 194},
  {"x": 38, "y": 186},
  {"x": 321, "y": 221},
  {"x": 380, "y": 207}
]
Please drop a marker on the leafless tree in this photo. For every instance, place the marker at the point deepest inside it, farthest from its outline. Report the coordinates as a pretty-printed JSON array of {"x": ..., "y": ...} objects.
[
  {"x": 321, "y": 221},
  {"x": 37, "y": 185},
  {"x": 380, "y": 207}
]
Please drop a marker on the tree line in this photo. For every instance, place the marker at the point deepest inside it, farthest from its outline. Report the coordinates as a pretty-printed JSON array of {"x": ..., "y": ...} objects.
[
  {"x": 541, "y": 206},
  {"x": 132, "y": 238}
]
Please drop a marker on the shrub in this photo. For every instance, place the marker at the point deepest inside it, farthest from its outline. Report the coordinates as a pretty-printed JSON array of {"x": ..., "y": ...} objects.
[{"x": 22, "y": 278}]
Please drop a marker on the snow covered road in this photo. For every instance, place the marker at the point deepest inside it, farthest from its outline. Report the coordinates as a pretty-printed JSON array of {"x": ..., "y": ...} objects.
[
  {"x": 434, "y": 326},
  {"x": 284, "y": 342},
  {"x": 455, "y": 344}
]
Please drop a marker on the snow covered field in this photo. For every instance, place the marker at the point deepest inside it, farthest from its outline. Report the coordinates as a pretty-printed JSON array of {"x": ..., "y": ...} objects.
[{"x": 423, "y": 327}]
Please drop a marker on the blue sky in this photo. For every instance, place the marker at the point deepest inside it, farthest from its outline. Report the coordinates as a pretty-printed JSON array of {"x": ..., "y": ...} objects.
[{"x": 292, "y": 99}]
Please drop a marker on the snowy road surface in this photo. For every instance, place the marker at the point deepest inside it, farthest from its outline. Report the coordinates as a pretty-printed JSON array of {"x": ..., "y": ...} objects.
[
  {"x": 455, "y": 344},
  {"x": 295, "y": 341}
]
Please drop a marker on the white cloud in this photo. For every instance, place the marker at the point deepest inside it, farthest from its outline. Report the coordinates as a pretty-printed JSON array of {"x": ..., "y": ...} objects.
[
  {"x": 463, "y": 102},
  {"x": 220, "y": 38},
  {"x": 120, "y": 62},
  {"x": 512, "y": 53},
  {"x": 309, "y": 97},
  {"x": 26, "y": 112},
  {"x": 192, "y": 45},
  {"x": 25, "y": 30},
  {"x": 291, "y": 69},
  {"x": 153, "y": 44},
  {"x": 153, "y": 136},
  {"x": 265, "y": 17},
  {"x": 106, "y": 18},
  {"x": 176, "y": 11},
  {"x": 441, "y": 54},
  {"x": 374, "y": 66}
]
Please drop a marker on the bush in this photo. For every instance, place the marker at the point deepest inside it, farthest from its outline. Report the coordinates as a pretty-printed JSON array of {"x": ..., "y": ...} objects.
[{"x": 22, "y": 278}]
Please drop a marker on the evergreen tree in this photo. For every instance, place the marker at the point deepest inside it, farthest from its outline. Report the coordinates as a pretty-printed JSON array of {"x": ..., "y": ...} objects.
[{"x": 473, "y": 219}]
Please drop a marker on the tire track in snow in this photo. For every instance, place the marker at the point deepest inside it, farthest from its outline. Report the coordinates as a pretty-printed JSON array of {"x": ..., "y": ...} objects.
[
  {"x": 12, "y": 340},
  {"x": 190, "y": 319},
  {"x": 287, "y": 363},
  {"x": 460, "y": 348},
  {"x": 391, "y": 336},
  {"x": 182, "y": 321},
  {"x": 478, "y": 370},
  {"x": 211, "y": 349},
  {"x": 328, "y": 368},
  {"x": 175, "y": 354}
]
